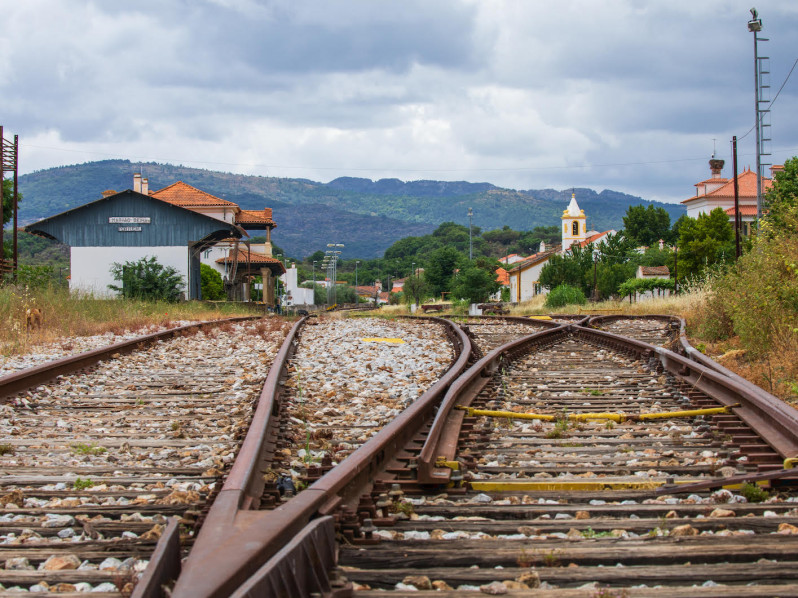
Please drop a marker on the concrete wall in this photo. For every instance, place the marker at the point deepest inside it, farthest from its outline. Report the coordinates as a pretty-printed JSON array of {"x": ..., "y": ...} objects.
[{"x": 91, "y": 266}]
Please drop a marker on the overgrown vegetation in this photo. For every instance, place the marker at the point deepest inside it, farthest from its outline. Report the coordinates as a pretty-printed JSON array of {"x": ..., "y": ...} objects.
[
  {"x": 69, "y": 315},
  {"x": 750, "y": 310},
  {"x": 212, "y": 284},
  {"x": 148, "y": 280},
  {"x": 565, "y": 295}
]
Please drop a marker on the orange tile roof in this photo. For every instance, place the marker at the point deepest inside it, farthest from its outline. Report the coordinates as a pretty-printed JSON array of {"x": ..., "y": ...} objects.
[
  {"x": 746, "y": 186},
  {"x": 502, "y": 277},
  {"x": 532, "y": 260},
  {"x": 256, "y": 217},
  {"x": 593, "y": 238},
  {"x": 181, "y": 194},
  {"x": 744, "y": 210}
]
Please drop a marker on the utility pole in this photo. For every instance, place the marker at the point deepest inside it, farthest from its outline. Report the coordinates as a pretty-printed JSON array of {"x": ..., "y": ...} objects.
[
  {"x": 470, "y": 244},
  {"x": 737, "y": 215}
]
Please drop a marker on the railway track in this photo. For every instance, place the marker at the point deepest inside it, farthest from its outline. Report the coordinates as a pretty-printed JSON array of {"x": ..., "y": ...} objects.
[
  {"x": 441, "y": 496},
  {"x": 96, "y": 464}
]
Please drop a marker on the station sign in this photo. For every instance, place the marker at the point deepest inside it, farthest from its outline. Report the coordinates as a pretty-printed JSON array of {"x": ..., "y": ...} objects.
[{"x": 129, "y": 220}]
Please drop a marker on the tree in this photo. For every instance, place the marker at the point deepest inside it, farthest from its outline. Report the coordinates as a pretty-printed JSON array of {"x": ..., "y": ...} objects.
[
  {"x": 8, "y": 200},
  {"x": 148, "y": 280},
  {"x": 475, "y": 284},
  {"x": 575, "y": 269},
  {"x": 646, "y": 225},
  {"x": 705, "y": 241},
  {"x": 439, "y": 269},
  {"x": 782, "y": 197},
  {"x": 414, "y": 289},
  {"x": 502, "y": 236},
  {"x": 211, "y": 283},
  {"x": 8, "y": 205},
  {"x": 611, "y": 275},
  {"x": 407, "y": 247}
]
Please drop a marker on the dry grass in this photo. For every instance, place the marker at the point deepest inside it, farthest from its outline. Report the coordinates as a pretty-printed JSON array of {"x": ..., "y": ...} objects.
[{"x": 69, "y": 316}]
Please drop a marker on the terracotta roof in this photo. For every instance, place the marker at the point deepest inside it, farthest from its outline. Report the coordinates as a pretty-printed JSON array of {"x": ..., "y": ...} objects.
[
  {"x": 655, "y": 271},
  {"x": 532, "y": 260},
  {"x": 594, "y": 238},
  {"x": 746, "y": 185},
  {"x": 366, "y": 290},
  {"x": 744, "y": 211},
  {"x": 502, "y": 277},
  {"x": 253, "y": 257},
  {"x": 181, "y": 194},
  {"x": 256, "y": 217}
]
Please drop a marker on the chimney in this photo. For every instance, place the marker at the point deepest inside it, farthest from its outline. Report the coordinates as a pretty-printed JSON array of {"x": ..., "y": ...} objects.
[
  {"x": 715, "y": 166},
  {"x": 137, "y": 182},
  {"x": 145, "y": 186}
]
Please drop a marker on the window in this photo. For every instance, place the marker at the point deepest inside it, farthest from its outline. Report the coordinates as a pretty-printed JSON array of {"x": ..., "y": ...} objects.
[{"x": 575, "y": 228}]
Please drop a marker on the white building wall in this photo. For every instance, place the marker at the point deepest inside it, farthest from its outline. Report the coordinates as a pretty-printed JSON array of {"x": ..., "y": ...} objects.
[
  {"x": 529, "y": 278},
  {"x": 90, "y": 267}
]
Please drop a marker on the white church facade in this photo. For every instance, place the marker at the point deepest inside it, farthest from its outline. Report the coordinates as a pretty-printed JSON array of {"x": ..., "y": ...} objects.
[{"x": 524, "y": 276}]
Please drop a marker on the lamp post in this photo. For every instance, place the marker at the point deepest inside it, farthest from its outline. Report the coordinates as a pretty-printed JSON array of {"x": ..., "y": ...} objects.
[
  {"x": 470, "y": 244},
  {"x": 755, "y": 26},
  {"x": 356, "y": 295}
]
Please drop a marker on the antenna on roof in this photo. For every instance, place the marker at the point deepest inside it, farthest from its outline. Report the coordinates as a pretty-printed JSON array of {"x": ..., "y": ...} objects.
[{"x": 714, "y": 149}]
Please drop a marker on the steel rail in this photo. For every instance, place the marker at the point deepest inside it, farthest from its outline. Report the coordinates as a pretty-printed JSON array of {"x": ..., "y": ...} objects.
[
  {"x": 684, "y": 346},
  {"x": 26, "y": 379},
  {"x": 772, "y": 419},
  {"x": 441, "y": 442},
  {"x": 236, "y": 541}
]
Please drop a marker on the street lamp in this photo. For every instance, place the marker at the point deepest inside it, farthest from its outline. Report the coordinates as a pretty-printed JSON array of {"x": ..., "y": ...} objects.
[
  {"x": 755, "y": 26},
  {"x": 470, "y": 244},
  {"x": 356, "y": 263}
]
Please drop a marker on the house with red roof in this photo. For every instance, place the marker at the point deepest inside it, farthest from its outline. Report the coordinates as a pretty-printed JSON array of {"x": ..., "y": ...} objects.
[
  {"x": 718, "y": 192},
  {"x": 237, "y": 260}
]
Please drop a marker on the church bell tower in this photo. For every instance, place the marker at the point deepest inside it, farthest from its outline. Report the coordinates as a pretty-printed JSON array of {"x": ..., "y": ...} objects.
[{"x": 574, "y": 224}]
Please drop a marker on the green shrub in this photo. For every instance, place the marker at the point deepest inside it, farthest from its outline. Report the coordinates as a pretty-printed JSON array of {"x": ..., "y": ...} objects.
[
  {"x": 212, "y": 284},
  {"x": 565, "y": 295},
  {"x": 148, "y": 280}
]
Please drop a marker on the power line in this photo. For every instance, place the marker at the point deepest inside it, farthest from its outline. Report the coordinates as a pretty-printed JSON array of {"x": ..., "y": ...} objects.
[{"x": 773, "y": 101}]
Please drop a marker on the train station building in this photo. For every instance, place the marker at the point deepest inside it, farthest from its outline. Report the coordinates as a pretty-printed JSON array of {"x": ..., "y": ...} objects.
[{"x": 180, "y": 226}]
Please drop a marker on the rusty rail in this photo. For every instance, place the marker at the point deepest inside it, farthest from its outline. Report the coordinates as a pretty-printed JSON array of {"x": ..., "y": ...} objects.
[
  {"x": 236, "y": 541},
  {"x": 22, "y": 380},
  {"x": 244, "y": 552},
  {"x": 441, "y": 443},
  {"x": 772, "y": 419}
]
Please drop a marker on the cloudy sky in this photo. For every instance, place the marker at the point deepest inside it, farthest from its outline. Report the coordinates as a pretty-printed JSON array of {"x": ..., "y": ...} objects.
[{"x": 618, "y": 94}]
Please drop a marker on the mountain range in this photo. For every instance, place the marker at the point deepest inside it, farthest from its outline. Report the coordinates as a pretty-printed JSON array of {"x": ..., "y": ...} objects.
[{"x": 367, "y": 216}]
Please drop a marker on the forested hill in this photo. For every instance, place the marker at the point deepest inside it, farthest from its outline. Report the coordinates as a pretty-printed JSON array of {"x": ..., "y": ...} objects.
[{"x": 368, "y": 216}]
